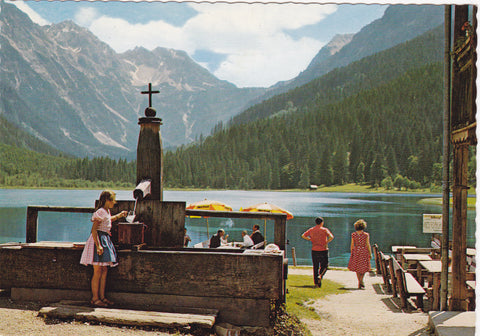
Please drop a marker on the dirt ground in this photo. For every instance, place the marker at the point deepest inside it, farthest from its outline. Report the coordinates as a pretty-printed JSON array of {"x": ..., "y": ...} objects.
[
  {"x": 355, "y": 312},
  {"x": 369, "y": 311},
  {"x": 21, "y": 319}
]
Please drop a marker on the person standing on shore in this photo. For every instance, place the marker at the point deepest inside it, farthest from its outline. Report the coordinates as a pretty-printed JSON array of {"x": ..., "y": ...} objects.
[
  {"x": 320, "y": 237},
  {"x": 361, "y": 252},
  {"x": 99, "y": 250}
]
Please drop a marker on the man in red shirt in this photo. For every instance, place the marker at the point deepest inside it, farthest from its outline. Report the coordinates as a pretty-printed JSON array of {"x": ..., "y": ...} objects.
[{"x": 320, "y": 237}]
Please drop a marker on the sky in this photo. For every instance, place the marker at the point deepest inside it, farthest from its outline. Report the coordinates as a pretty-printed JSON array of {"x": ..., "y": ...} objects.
[{"x": 249, "y": 45}]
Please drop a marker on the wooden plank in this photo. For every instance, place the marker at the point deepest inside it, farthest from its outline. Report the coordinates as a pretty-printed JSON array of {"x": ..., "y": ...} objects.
[
  {"x": 234, "y": 214},
  {"x": 128, "y": 317},
  {"x": 417, "y": 250},
  {"x": 413, "y": 287},
  {"x": 54, "y": 245},
  {"x": 47, "y": 208}
]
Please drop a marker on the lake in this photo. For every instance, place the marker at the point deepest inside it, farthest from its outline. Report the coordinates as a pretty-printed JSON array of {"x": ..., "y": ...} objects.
[{"x": 393, "y": 219}]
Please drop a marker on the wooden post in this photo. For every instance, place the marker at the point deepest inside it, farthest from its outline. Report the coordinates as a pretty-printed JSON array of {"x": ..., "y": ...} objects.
[
  {"x": 32, "y": 225},
  {"x": 280, "y": 231},
  {"x": 150, "y": 156},
  {"x": 446, "y": 159},
  {"x": 294, "y": 257},
  {"x": 463, "y": 124},
  {"x": 460, "y": 181}
]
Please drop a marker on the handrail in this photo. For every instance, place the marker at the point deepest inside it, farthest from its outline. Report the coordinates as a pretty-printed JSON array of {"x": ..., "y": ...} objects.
[
  {"x": 280, "y": 227},
  {"x": 280, "y": 230},
  {"x": 235, "y": 214},
  {"x": 32, "y": 217}
]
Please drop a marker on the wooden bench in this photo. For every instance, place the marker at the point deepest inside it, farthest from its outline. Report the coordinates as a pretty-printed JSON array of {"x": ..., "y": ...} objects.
[
  {"x": 408, "y": 286},
  {"x": 376, "y": 255},
  {"x": 384, "y": 260},
  {"x": 393, "y": 278},
  {"x": 471, "y": 284}
]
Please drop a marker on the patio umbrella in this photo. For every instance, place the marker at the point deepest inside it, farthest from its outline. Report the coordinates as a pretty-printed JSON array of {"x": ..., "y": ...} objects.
[
  {"x": 267, "y": 207},
  {"x": 209, "y": 205}
]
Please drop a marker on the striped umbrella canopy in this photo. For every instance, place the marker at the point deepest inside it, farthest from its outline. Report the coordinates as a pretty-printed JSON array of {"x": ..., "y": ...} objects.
[
  {"x": 209, "y": 205},
  {"x": 267, "y": 207}
]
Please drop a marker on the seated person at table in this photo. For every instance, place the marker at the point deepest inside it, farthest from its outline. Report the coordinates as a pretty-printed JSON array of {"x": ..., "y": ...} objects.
[
  {"x": 247, "y": 241},
  {"x": 436, "y": 242},
  {"x": 186, "y": 238},
  {"x": 256, "y": 235},
  {"x": 216, "y": 239},
  {"x": 224, "y": 239}
]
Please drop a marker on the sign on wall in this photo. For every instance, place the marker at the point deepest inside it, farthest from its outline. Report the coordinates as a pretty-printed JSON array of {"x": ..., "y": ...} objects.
[{"x": 432, "y": 223}]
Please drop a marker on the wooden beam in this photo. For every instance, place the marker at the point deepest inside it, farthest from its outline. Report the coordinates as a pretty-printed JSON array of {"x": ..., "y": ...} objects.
[
  {"x": 128, "y": 317},
  {"x": 459, "y": 232}
]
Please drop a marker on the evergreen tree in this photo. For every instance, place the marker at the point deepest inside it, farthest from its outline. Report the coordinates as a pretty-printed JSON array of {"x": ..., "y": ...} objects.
[{"x": 304, "y": 181}]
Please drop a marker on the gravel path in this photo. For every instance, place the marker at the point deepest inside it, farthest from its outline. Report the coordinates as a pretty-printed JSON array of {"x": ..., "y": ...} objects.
[{"x": 370, "y": 311}]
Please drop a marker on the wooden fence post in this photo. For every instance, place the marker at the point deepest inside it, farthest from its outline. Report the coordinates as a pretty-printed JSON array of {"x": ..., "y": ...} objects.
[{"x": 32, "y": 223}]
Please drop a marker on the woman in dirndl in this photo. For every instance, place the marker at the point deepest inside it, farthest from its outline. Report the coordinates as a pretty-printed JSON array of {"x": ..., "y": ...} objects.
[{"x": 99, "y": 250}]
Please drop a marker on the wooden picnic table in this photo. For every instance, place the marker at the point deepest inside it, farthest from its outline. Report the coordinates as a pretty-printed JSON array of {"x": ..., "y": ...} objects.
[
  {"x": 433, "y": 268},
  {"x": 412, "y": 259},
  {"x": 395, "y": 248}
]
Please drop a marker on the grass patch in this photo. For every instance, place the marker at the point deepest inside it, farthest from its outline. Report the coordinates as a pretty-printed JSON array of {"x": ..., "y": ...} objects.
[
  {"x": 302, "y": 294},
  {"x": 471, "y": 202},
  {"x": 366, "y": 188}
]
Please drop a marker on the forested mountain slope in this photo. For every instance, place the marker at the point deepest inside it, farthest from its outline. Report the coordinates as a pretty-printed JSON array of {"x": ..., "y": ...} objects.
[
  {"x": 376, "y": 118},
  {"x": 400, "y": 23},
  {"x": 361, "y": 75}
]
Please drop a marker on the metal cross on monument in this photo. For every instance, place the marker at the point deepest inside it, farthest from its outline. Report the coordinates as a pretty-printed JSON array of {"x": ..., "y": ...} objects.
[{"x": 149, "y": 92}]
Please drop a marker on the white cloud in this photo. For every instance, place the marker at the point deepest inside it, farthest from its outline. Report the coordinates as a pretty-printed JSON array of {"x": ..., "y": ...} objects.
[
  {"x": 267, "y": 67},
  {"x": 259, "y": 51},
  {"x": 122, "y": 36},
  {"x": 85, "y": 16},
  {"x": 30, "y": 12}
]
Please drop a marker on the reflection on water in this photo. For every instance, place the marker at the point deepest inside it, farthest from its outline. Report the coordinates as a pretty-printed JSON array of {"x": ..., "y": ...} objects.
[{"x": 392, "y": 219}]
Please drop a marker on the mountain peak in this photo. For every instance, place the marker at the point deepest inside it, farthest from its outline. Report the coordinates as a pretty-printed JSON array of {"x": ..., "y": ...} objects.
[{"x": 331, "y": 48}]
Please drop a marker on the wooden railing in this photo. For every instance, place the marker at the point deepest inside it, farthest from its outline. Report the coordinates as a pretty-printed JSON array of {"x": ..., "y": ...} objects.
[
  {"x": 32, "y": 218},
  {"x": 280, "y": 219}
]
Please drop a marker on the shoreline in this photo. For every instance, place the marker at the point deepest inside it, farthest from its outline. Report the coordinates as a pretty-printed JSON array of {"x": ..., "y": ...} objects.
[{"x": 346, "y": 188}]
